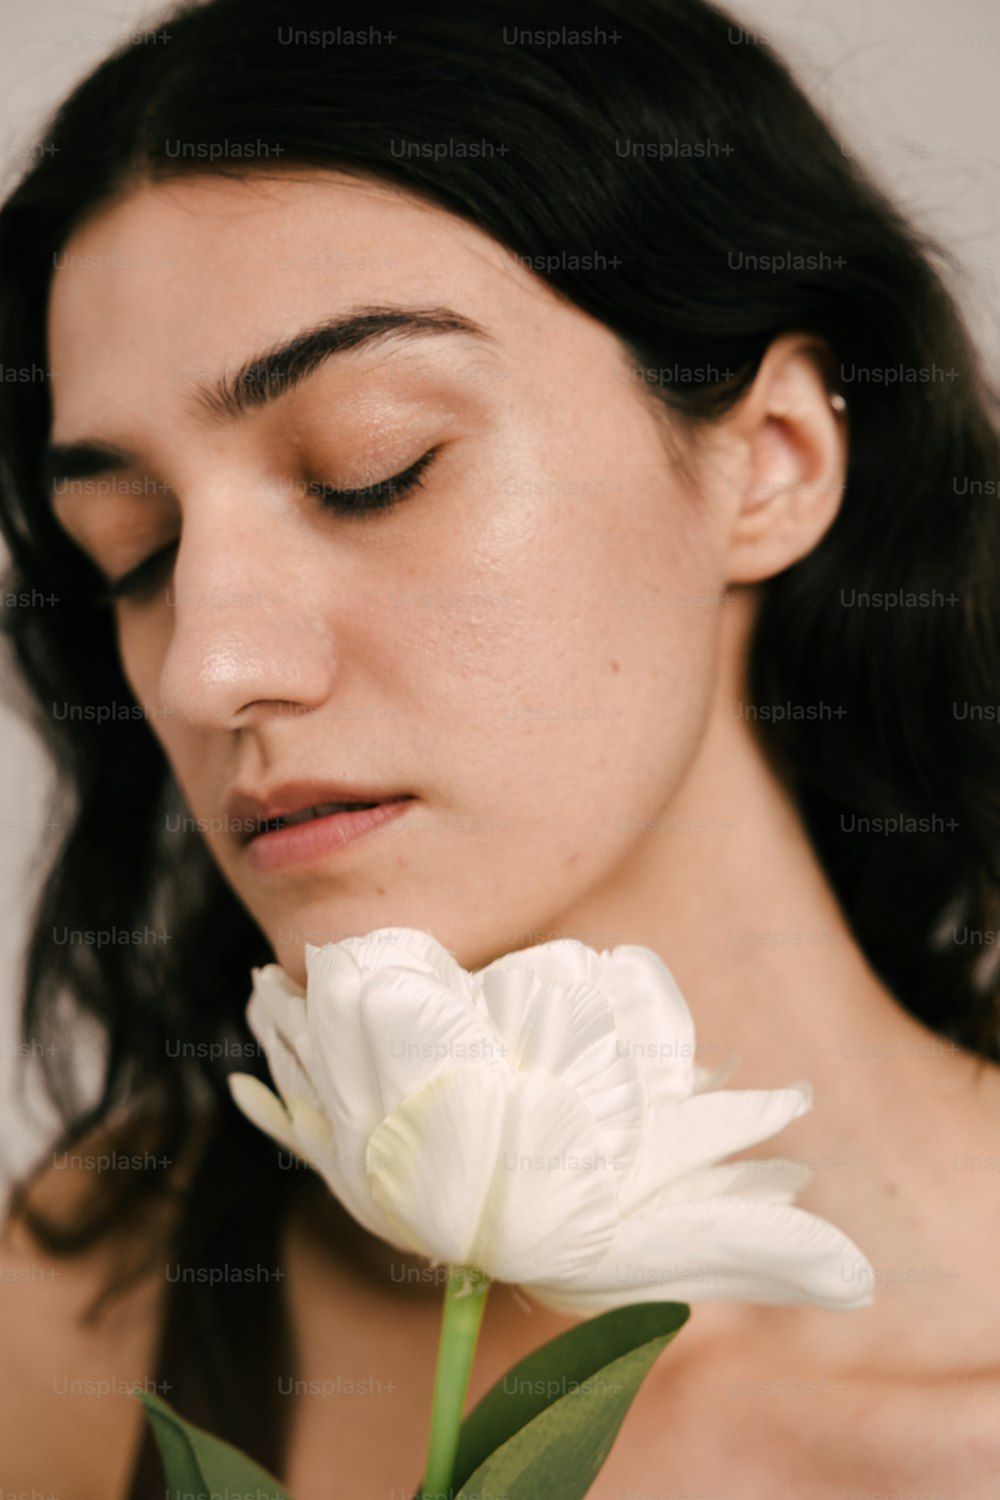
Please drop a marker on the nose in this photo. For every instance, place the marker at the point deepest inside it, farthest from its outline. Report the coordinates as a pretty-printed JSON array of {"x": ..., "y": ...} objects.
[{"x": 246, "y": 635}]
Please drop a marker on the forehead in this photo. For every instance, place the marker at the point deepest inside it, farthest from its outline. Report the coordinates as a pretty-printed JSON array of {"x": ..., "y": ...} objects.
[{"x": 176, "y": 281}]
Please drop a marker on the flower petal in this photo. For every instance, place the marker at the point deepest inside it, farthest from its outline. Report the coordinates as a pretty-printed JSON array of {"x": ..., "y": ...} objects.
[
  {"x": 774, "y": 1177},
  {"x": 706, "y": 1079},
  {"x": 652, "y": 1018},
  {"x": 282, "y": 983},
  {"x": 496, "y": 1170},
  {"x": 343, "y": 1082},
  {"x": 400, "y": 948},
  {"x": 720, "y": 1249},
  {"x": 416, "y": 1027},
  {"x": 265, "y": 1110},
  {"x": 337, "y": 1055},
  {"x": 683, "y": 1135},
  {"x": 567, "y": 1031},
  {"x": 564, "y": 961},
  {"x": 277, "y": 1016}
]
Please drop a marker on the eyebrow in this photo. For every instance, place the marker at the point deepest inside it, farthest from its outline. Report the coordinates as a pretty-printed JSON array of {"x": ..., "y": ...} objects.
[{"x": 267, "y": 376}]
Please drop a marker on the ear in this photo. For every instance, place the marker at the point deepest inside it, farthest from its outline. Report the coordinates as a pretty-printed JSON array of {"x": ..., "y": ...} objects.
[{"x": 790, "y": 459}]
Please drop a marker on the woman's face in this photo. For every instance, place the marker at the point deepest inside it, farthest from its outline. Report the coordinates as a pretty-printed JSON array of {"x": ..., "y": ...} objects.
[{"x": 516, "y": 642}]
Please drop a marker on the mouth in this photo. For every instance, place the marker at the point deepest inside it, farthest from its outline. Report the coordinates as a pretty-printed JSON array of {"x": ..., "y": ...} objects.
[
  {"x": 309, "y": 814},
  {"x": 287, "y": 830}
]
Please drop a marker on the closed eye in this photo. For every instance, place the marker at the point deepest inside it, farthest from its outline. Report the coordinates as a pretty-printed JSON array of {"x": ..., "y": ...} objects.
[
  {"x": 139, "y": 581},
  {"x": 377, "y": 496},
  {"x": 142, "y": 580}
]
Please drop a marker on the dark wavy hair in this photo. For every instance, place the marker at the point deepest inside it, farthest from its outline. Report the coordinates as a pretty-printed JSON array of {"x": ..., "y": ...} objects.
[{"x": 822, "y": 250}]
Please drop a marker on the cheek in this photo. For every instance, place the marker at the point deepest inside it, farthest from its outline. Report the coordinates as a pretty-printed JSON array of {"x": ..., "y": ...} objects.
[
  {"x": 142, "y": 644},
  {"x": 142, "y": 647},
  {"x": 578, "y": 678}
]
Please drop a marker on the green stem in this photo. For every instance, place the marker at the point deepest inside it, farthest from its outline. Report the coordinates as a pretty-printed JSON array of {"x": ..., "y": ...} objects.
[{"x": 464, "y": 1302}]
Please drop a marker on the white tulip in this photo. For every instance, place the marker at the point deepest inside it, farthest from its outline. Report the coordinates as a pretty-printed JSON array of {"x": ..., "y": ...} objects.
[{"x": 540, "y": 1119}]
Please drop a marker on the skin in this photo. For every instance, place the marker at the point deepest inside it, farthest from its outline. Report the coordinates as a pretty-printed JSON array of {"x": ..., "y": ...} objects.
[
  {"x": 450, "y": 648},
  {"x": 447, "y": 648}
]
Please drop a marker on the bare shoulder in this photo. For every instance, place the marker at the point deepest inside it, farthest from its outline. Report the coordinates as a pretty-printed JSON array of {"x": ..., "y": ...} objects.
[
  {"x": 752, "y": 1428},
  {"x": 943, "y": 1430},
  {"x": 68, "y": 1425}
]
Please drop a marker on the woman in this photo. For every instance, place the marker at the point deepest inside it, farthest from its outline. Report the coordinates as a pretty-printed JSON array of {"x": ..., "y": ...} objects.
[{"x": 485, "y": 411}]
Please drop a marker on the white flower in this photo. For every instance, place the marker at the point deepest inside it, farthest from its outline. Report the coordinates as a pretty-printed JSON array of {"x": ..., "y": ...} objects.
[{"x": 541, "y": 1119}]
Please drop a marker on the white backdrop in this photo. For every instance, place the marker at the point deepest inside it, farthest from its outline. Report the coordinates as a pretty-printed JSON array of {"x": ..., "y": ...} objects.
[{"x": 914, "y": 86}]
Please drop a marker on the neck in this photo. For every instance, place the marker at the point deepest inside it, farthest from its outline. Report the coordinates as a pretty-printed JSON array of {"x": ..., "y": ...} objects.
[{"x": 727, "y": 889}]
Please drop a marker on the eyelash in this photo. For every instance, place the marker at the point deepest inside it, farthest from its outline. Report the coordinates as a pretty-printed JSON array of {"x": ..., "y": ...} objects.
[
  {"x": 379, "y": 496},
  {"x": 382, "y": 495}
]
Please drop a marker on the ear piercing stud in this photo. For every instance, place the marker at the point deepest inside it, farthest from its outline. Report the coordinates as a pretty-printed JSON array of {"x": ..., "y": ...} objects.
[{"x": 838, "y": 403}]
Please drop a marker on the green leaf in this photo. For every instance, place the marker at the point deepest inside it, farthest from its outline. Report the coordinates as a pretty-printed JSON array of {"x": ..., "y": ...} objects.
[
  {"x": 197, "y": 1463},
  {"x": 546, "y": 1428}
]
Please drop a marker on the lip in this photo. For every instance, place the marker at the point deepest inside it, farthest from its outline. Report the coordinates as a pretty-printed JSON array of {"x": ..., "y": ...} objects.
[
  {"x": 318, "y": 838},
  {"x": 244, "y": 808}
]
